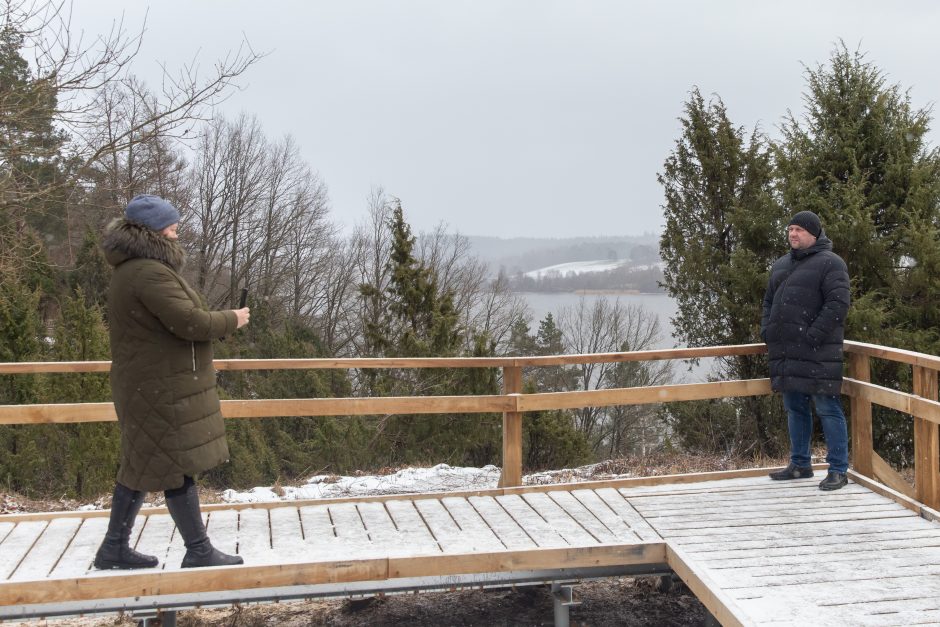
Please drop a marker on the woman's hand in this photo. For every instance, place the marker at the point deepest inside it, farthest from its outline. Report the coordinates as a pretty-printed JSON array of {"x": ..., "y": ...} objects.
[{"x": 243, "y": 316}]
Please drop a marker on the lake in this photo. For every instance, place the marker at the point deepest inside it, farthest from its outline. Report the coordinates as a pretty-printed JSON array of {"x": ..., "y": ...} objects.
[{"x": 660, "y": 304}]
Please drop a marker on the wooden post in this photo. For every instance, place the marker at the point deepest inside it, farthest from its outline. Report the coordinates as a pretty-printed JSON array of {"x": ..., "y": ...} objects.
[
  {"x": 860, "y": 370},
  {"x": 926, "y": 447},
  {"x": 512, "y": 432}
]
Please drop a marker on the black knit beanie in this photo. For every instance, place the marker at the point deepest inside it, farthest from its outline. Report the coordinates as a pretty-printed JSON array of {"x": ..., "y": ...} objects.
[{"x": 809, "y": 221}]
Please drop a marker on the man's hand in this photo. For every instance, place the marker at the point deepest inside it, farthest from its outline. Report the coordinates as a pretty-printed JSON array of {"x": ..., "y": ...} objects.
[{"x": 243, "y": 316}]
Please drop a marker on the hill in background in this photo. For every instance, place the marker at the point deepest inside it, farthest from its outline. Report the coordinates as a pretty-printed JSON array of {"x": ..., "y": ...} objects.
[
  {"x": 522, "y": 254},
  {"x": 620, "y": 263}
]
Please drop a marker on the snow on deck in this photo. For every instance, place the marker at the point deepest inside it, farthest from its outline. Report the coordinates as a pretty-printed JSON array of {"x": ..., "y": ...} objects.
[{"x": 770, "y": 552}]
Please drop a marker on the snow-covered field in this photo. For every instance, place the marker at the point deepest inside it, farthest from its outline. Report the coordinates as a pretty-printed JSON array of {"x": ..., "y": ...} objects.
[{"x": 577, "y": 267}]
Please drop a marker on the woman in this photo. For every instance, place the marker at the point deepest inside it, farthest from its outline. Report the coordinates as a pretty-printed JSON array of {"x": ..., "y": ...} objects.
[{"x": 162, "y": 383}]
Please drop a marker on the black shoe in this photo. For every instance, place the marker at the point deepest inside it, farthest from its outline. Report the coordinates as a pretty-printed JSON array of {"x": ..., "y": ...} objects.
[
  {"x": 833, "y": 481},
  {"x": 792, "y": 471},
  {"x": 115, "y": 551}
]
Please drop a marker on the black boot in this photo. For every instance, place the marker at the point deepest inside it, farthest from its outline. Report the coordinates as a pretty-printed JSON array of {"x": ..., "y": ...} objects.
[
  {"x": 115, "y": 551},
  {"x": 183, "y": 504}
]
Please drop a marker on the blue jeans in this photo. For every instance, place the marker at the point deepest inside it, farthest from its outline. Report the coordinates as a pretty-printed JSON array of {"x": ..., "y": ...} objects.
[{"x": 800, "y": 422}]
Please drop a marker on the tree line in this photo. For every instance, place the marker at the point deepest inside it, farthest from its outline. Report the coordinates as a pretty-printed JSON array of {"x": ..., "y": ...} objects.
[
  {"x": 80, "y": 136},
  {"x": 857, "y": 155}
]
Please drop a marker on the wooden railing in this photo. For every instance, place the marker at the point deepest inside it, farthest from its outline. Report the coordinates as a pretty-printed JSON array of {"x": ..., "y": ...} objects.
[{"x": 922, "y": 404}]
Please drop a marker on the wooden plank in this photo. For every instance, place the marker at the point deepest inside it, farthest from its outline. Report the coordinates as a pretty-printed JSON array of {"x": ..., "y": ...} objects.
[
  {"x": 541, "y": 532},
  {"x": 47, "y": 550},
  {"x": 321, "y": 541},
  {"x": 628, "y": 514},
  {"x": 17, "y": 544},
  {"x": 503, "y": 526},
  {"x": 381, "y": 529},
  {"x": 887, "y": 397},
  {"x": 774, "y": 531},
  {"x": 286, "y": 534},
  {"x": 77, "y": 558},
  {"x": 254, "y": 535},
  {"x": 720, "y": 604},
  {"x": 766, "y": 508},
  {"x": 614, "y": 524},
  {"x": 922, "y": 549},
  {"x": 643, "y": 395},
  {"x": 887, "y": 475},
  {"x": 559, "y": 520},
  {"x": 926, "y": 443},
  {"x": 781, "y": 516},
  {"x": 892, "y": 354},
  {"x": 511, "y": 475},
  {"x": 365, "y": 406},
  {"x": 222, "y": 527},
  {"x": 693, "y": 504},
  {"x": 722, "y": 528},
  {"x": 446, "y": 532},
  {"x": 471, "y": 523},
  {"x": 584, "y": 517},
  {"x": 743, "y": 549},
  {"x": 119, "y": 584},
  {"x": 156, "y": 535},
  {"x": 414, "y": 532},
  {"x": 860, "y": 416},
  {"x": 505, "y": 561},
  {"x": 316, "y": 524},
  {"x": 348, "y": 524}
]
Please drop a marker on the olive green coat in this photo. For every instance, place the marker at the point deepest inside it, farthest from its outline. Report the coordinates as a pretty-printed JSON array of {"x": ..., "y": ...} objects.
[{"x": 162, "y": 377}]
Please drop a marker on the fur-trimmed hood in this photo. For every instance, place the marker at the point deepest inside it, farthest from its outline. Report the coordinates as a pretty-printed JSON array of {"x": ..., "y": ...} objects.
[{"x": 125, "y": 240}]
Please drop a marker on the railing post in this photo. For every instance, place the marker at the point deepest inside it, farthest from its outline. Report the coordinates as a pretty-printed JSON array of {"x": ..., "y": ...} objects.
[
  {"x": 860, "y": 409},
  {"x": 926, "y": 443},
  {"x": 512, "y": 431}
]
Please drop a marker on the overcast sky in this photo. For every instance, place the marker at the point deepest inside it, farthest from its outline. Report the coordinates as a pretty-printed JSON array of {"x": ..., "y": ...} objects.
[{"x": 517, "y": 118}]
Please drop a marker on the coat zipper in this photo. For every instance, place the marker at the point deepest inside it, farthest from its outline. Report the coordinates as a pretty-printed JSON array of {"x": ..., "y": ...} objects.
[{"x": 193, "y": 346}]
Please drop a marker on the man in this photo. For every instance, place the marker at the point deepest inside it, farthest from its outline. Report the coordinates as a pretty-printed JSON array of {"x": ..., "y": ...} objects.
[{"x": 803, "y": 325}]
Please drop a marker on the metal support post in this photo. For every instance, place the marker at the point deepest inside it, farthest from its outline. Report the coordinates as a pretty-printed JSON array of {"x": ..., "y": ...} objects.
[
  {"x": 562, "y": 599},
  {"x": 151, "y": 618}
]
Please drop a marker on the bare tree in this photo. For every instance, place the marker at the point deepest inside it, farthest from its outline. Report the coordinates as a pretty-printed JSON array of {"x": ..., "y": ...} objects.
[
  {"x": 604, "y": 327},
  {"x": 71, "y": 82},
  {"x": 487, "y": 306},
  {"x": 372, "y": 245}
]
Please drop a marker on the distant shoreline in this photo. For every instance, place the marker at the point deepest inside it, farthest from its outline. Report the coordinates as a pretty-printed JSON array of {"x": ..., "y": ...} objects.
[{"x": 599, "y": 292}]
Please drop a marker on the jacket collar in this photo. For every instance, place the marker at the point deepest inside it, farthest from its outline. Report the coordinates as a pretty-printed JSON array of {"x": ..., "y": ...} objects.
[
  {"x": 125, "y": 240},
  {"x": 822, "y": 243}
]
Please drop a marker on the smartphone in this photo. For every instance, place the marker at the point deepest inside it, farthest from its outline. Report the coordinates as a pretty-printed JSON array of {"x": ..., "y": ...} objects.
[{"x": 243, "y": 299}]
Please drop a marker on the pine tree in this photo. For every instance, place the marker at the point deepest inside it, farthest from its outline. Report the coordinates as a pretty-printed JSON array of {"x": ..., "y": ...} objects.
[
  {"x": 723, "y": 230},
  {"x": 859, "y": 158},
  {"x": 418, "y": 319}
]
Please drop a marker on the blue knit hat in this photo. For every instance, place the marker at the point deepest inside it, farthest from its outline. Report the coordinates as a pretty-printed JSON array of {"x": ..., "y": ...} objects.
[{"x": 152, "y": 212}]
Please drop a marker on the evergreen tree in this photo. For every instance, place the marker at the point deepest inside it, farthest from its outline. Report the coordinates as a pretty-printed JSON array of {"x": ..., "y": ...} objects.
[
  {"x": 723, "y": 230},
  {"x": 418, "y": 319},
  {"x": 79, "y": 459},
  {"x": 859, "y": 158}
]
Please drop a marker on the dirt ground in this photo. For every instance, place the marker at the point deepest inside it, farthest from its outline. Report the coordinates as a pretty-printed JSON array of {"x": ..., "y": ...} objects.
[{"x": 648, "y": 601}]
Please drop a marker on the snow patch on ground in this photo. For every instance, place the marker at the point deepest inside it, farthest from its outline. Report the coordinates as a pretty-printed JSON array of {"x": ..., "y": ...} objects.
[{"x": 440, "y": 478}]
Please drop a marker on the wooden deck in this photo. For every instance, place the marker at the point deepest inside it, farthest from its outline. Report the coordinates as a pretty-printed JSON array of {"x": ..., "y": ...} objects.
[{"x": 753, "y": 550}]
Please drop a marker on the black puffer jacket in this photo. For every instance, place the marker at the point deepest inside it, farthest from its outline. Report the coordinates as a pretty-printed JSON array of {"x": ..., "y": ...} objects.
[{"x": 803, "y": 322}]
